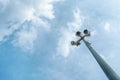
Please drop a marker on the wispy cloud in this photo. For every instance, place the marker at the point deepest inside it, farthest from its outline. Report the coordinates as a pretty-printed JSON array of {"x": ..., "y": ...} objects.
[
  {"x": 8, "y": 30},
  {"x": 23, "y": 11},
  {"x": 25, "y": 38},
  {"x": 67, "y": 34}
]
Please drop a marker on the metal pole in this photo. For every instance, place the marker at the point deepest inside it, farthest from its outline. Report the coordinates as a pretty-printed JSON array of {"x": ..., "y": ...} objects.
[{"x": 109, "y": 72}]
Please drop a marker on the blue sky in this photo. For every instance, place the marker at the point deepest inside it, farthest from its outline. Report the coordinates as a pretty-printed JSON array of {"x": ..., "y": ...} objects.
[{"x": 35, "y": 39}]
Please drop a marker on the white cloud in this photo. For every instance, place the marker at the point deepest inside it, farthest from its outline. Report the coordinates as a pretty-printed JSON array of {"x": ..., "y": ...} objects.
[
  {"x": 93, "y": 33},
  {"x": 76, "y": 24},
  {"x": 68, "y": 34},
  {"x": 64, "y": 43},
  {"x": 26, "y": 38},
  {"x": 22, "y": 11},
  {"x": 107, "y": 27}
]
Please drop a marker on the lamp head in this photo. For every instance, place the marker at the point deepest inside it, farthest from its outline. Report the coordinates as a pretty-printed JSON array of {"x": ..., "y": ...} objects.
[
  {"x": 78, "y": 33},
  {"x": 75, "y": 43},
  {"x": 86, "y": 32}
]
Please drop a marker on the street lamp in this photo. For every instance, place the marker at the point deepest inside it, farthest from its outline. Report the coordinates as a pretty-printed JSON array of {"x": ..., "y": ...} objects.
[{"x": 109, "y": 72}]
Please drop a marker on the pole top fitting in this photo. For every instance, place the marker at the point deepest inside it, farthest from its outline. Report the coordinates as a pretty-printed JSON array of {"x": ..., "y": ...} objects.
[{"x": 82, "y": 36}]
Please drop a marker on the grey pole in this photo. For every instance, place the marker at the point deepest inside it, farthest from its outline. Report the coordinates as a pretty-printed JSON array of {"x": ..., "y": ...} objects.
[{"x": 109, "y": 72}]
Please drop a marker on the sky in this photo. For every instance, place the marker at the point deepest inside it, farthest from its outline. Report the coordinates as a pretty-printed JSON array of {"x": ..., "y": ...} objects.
[{"x": 35, "y": 38}]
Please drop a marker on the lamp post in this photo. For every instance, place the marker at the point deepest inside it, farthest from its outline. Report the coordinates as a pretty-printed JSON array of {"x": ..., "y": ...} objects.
[{"x": 109, "y": 72}]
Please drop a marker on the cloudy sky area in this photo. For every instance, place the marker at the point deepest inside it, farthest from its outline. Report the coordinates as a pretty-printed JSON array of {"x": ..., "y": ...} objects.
[{"x": 35, "y": 39}]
